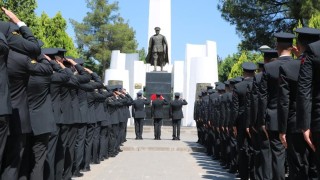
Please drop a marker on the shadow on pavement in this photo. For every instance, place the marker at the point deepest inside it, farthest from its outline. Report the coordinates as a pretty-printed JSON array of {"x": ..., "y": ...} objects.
[{"x": 213, "y": 169}]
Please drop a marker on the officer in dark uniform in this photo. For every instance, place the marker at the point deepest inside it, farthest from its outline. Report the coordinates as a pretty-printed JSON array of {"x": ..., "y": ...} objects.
[
  {"x": 59, "y": 77},
  {"x": 113, "y": 105},
  {"x": 19, "y": 68},
  {"x": 300, "y": 155},
  {"x": 25, "y": 44},
  {"x": 5, "y": 102},
  {"x": 308, "y": 101},
  {"x": 232, "y": 134},
  {"x": 139, "y": 113},
  {"x": 157, "y": 114},
  {"x": 105, "y": 127},
  {"x": 176, "y": 114},
  {"x": 41, "y": 116},
  {"x": 268, "y": 101},
  {"x": 261, "y": 147},
  {"x": 240, "y": 118},
  {"x": 221, "y": 122},
  {"x": 213, "y": 141},
  {"x": 197, "y": 118}
]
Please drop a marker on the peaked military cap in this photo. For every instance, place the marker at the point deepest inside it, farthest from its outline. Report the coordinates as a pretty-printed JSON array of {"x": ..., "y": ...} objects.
[
  {"x": 139, "y": 94},
  {"x": 227, "y": 82},
  {"x": 283, "y": 37},
  {"x": 157, "y": 28},
  {"x": 269, "y": 53},
  {"x": 79, "y": 61},
  {"x": 176, "y": 94},
  {"x": 40, "y": 42},
  {"x": 221, "y": 87},
  {"x": 249, "y": 66},
  {"x": 307, "y": 35},
  {"x": 209, "y": 87}
]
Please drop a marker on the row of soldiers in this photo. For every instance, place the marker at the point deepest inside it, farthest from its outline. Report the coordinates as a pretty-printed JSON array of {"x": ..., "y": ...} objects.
[
  {"x": 56, "y": 116},
  {"x": 266, "y": 124}
]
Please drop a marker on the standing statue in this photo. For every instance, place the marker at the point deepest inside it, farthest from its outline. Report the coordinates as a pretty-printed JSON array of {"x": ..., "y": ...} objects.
[{"x": 158, "y": 50}]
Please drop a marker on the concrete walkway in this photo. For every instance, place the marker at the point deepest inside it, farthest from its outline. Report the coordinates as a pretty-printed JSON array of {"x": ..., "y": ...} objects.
[{"x": 150, "y": 159}]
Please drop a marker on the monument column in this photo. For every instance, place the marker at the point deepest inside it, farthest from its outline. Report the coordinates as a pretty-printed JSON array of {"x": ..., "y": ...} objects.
[{"x": 160, "y": 16}]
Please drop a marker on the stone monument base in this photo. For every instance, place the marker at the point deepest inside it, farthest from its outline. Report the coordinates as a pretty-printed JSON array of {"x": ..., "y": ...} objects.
[{"x": 158, "y": 82}]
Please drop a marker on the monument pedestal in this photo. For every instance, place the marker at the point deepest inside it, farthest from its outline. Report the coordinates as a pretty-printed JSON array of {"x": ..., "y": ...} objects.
[{"x": 158, "y": 82}]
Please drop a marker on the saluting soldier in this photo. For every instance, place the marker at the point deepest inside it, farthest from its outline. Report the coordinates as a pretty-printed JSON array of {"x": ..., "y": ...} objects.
[
  {"x": 240, "y": 118},
  {"x": 176, "y": 114},
  {"x": 157, "y": 114},
  {"x": 268, "y": 119},
  {"x": 139, "y": 113}
]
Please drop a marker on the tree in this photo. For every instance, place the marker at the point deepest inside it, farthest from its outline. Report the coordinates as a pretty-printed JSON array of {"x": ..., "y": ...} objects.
[
  {"x": 257, "y": 20},
  {"x": 52, "y": 32},
  {"x": 25, "y": 11},
  {"x": 246, "y": 56},
  {"x": 102, "y": 31},
  {"x": 224, "y": 66}
]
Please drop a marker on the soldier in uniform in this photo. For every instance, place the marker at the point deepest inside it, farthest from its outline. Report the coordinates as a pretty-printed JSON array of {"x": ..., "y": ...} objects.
[
  {"x": 308, "y": 101},
  {"x": 240, "y": 118},
  {"x": 158, "y": 50},
  {"x": 176, "y": 114},
  {"x": 139, "y": 113},
  {"x": 290, "y": 136},
  {"x": 268, "y": 104},
  {"x": 157, "y": 114},
  {"x": 232, "y": 134},
  {"x": 197, "y": 118}
]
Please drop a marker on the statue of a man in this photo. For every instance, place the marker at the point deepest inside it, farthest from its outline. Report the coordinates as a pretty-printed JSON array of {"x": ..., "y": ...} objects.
[{"x": 158, "y": 50}]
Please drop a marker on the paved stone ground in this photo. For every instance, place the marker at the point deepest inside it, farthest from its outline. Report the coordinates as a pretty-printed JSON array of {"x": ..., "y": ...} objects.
[{"x": 150, "y": 159}]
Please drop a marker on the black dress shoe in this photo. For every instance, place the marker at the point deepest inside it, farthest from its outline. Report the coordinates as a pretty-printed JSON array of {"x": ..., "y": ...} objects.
[
  {"x": 77, "y": 174},
  {"x": 86, "y": 169},
  {"x": 178, "y": 138},
  {"x": 120, "y": 150},
  {"x": 96, "y": 162}
]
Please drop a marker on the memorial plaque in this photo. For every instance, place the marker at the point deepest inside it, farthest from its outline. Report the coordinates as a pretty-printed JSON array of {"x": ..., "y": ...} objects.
[
  {"x": 115, "y": 82},
  {"x": 200, "y": 87},
  {"x": 137, "y": 86}
]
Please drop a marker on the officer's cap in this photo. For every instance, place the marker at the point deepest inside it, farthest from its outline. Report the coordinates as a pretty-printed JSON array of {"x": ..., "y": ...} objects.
[
  {"x": 284, "y": 37},
  {"x": 158, "y": 94},
  {"x": 200, "y": 95},
  {"x": 270, "y": 53},
  {"x": 177, "y": 94},
  {"x": 249, "y": 66},
  {"x": 139, "y": 94},
  {"x": 307, "y": 34},
  {"x": 157, "y": 28},
  {"x": 227, "y": 83},
  {"x": 221, "y": 87},
  {"x": 209, "y": 87},
  {"x": 53, "y": 51},
  {"x": 210, "y": 91},
  {"x": 79, "y": 61}
]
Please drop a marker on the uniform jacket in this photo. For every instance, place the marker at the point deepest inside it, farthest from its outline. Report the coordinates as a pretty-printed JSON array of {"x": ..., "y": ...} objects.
[
  {"x": 253, "y": 97},
  {"x": 176, "y": 108},
  {"x": 20, "y": 67},
  {"x": 239, "y": 105},
  {"x": 157, "y": 108},
  {"x": 268, "y": 102},
  {"x": 5, "y": 107},
  {"x": 308, "y": 94},
  {"x": 288, "y": 80},
  {"x": 40, "y": 103},
  {"x": 138, "y": 108}
]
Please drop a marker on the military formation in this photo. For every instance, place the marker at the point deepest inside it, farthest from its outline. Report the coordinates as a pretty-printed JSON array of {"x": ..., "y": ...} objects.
[{"x": 265, "y": 124}]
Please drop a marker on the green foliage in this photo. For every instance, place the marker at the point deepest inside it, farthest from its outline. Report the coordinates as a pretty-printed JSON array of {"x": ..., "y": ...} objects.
[
  {"x": 224, "y": 66},
  {"x": 24, "y": 9},
  {"x": 314, "y": 21},
  {"x": 52, "y": 32},
  {"x": 245, "y": 56},
  {"x": 102, "y": 31},
  {"x": 142, "y": 55},
  {"x": 257, "y": 20}
]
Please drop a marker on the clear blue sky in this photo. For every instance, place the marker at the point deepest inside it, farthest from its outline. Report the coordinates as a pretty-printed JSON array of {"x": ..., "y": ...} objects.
[{"x": 193, "y": 22}]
